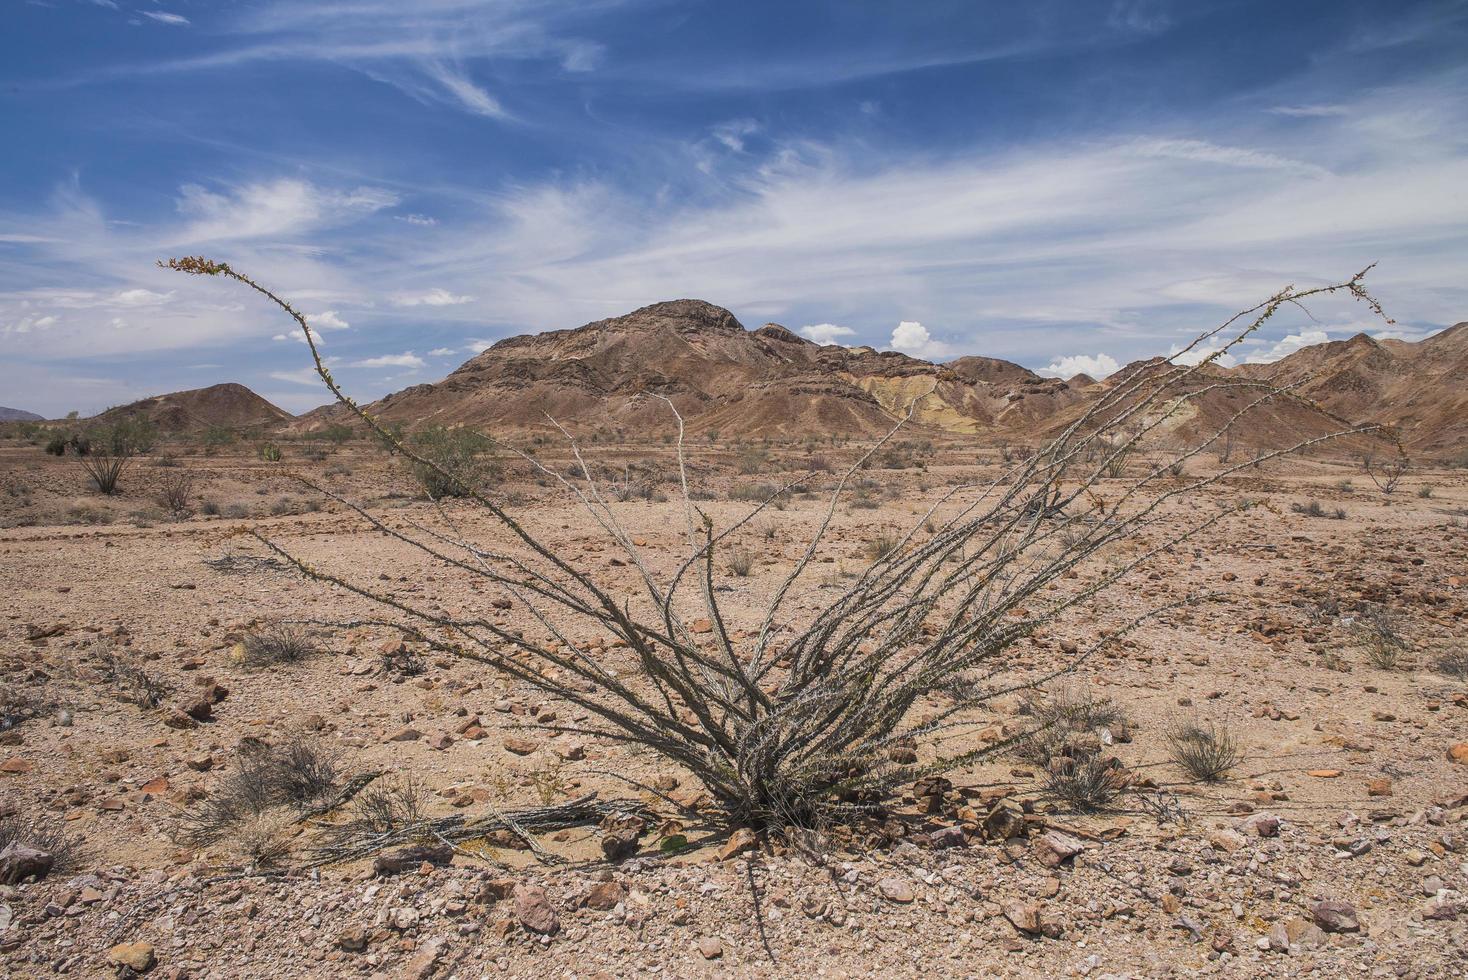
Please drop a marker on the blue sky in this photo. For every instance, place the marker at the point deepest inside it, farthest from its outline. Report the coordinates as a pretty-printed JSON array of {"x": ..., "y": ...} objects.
[{"x": 1071, "y": 185}]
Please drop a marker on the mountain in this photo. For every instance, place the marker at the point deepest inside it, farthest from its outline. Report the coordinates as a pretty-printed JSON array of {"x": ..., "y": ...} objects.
[
  {"x": 16, "y": 415},
  {"x": 721, "y": 377},
  {"x": 1421, "y": 388},
  {"x": 614, "y": 374},
  {"x": 229, "y": 405}
]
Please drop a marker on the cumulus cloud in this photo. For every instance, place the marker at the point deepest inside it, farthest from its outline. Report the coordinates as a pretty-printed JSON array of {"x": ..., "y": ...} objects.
[
  {"x": 140, "y": 297},
  {"x": 407, "y": 360},
  {"x": 1198, "y": 354},
  {"x": 826, "y": 333},
  {"x": 479, "y": 346},
  {"x": 1097, "y": 366},
  {"x": 1290, "y": 344},
  {"x": 326, "y": 320},
  {"x": 442, "y": 352},
  {"x": 433, "y": 297},
  {"x": 911, "y": 337}
]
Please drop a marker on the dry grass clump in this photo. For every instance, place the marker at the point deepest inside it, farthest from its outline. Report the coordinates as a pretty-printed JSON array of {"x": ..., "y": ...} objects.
[
  {"x": 129, "y": 680},
  {"x": 254, "y": 805},
  {"x": 741, "y": 562},
  {"x": 1316, "y": 509},
  {"x": 1205, "y": 751},
  {"x": 277, "y": 643},
  {"x": 880, "y": 546},
  {"x": 1454, "y": 663},
  {"x": 385, "y": 806},
  {"x": 43, "y": 834},
  {"x": 177, "y": 490},
  {"x": 1065, "y": 743},
  {"x": 1088, "y": 783},
  {"x": 1378, "y": 631}
]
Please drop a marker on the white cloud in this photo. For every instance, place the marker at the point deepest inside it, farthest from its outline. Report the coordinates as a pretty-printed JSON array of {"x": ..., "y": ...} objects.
[
  {"x": 1198, "y": 354},
  {"x": 407, "y": 360},
  {"x": 442, "y": 352},
  {"x": 140, "y": 297},
  {"x": 279, "y": 207},
  {"x": 911, "y": 337},
  {"x": 732, "y": 133},
  {"x": 1310, "y": 111},
  {"x": 433, "y": 297},
  {"x": 421, "y": 220},
  {"x": 463, "y": 90},
  {"x": 326, "y": 320},
  {"x": 1201, "y": 151},
  {"x": 1290, "y": 344},
  {"x": 479, "y": 346},
  {"x": 164, "y": 17},
  {"x": 826, "y": 333},
  {"x": 1097, "y": 366}
]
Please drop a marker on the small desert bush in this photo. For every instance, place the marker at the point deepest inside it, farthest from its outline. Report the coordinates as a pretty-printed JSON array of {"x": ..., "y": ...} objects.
[
  {"x": 56, "y": 445},
  {"x": 880, "y": 546},
  {"x": 1065, "y": 721},
  {"x": 176, "y": 491},
  {"x": 129, "y": 680},
  {"x": 752, "y": 460},
  {"x": 1454, "y": 662},
  {"x": 265, "y": 779},
  {"x": 277, "y": 643},
  {"x": 1316, "y": 509},
  {"x": 741, "y": 560},
  {"x": 1379, "y": 632},
  {"x": 458, "y": 457},
  {"x": 42, "y": 834},
  {"x": 387, "y": 805},
  {"x": 1425, "y": 491},
  {"x": 751, "y": 492},
  {"x": 270, "y": 452},
  {"x": 1205, "y": 751},
  {"x": 1086, "y": 783}
]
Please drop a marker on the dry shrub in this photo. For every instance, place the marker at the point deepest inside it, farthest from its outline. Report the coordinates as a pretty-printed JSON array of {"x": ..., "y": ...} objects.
[
  {"x": 880, "y": 546},
  {"x": 176, "y": 492},
  {"x": 1454, "y": 663},
  {"x": 129, "y": 680},
  {"x": 741, "y": 562},
  {"x": 277, "y": 643},
  {"x": 43, "y": 834},
  {"x": 1066, "y": 716},
  {"x": 385, "y": 806},
  {"x": 1205, "y": 751},
  {"x": 1089, "y": 783},
  {"x": 266, "y": 787},
  {"x": 791, "y": 714},
  {"x": 1378, "y": 631}
]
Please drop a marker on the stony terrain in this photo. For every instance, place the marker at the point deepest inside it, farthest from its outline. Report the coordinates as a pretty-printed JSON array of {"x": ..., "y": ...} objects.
[{"x": 1337, "y": 845}]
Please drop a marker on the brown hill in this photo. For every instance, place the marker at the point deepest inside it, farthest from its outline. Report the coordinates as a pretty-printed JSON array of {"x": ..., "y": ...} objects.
[
  {"x": 720, "y": 376},
  {"x": 614, "y": 373},
  {"x": 1421, "y": 388},
  {"x": 229, "y": 405}
]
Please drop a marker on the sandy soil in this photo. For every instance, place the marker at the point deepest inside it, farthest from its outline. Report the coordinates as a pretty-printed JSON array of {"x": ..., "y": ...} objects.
[{"x": 1353, "y": 760}]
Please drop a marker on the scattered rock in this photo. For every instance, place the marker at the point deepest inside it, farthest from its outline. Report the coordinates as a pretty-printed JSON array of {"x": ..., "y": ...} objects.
[
  {"x": 740, "y": 841},
  {"x": 710, "y": 948},
  {"x": 1335, "y": 916},
  {"x": 137, "y": 956},
  {"x": 896, "y": 890},
  {"x": 533, "y": 910},
  {"x": 520, "y": 746},
  {"x": 18, "y": 862},
  {"x": 1054, "y": 848}
]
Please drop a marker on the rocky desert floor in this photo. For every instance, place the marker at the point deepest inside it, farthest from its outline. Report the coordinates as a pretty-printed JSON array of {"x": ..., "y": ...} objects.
[{"x": 1336, "y": 846}]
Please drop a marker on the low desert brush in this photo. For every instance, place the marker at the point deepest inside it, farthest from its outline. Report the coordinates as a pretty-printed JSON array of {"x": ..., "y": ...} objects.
[{"x": 1205, "y": 751}]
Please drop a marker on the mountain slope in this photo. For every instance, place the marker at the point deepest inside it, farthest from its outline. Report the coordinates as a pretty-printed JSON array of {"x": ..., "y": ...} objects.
[
  {"x": 230, "y": 405},
  {"x": 17, "y": 415},
  {"x": 1421, "y": 388}
]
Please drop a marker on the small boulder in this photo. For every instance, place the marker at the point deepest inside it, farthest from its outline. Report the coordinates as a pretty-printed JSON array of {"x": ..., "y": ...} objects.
[
  {"x": 896, "y": 890},
  {"x": 18, "y": 862},
  {"x": 1335, "y": 916},
  {"x": 137, "y": 956},
  {"x": 533, "y": 910}
]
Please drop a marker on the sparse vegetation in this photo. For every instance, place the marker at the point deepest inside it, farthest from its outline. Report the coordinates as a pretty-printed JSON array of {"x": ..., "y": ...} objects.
[
  {"x": 800, "y": 731},
  {"x": 741, "y": 561},
  {"x": 456, "y": 465},
  {"x": 43, "y": 834},
  {"x": 1378, "y": 631},
  {"x": 1206, "y": 751},
  {"x": 1315, "y": 508},
  {"x": 176, "y": 492},
  {"x": 277, "y": 643}
]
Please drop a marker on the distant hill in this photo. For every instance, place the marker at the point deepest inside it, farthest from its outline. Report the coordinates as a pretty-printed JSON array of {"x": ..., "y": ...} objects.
[
  {"x": 1421, "y": 387},
  {"x": 772, "y": 382},
  {"x": 16, "y": 415},
  {"x": 764, "y": 382},
  {"x": 230, "y": 405}
]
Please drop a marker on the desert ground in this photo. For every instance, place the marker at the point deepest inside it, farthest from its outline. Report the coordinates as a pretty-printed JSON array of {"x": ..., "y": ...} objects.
[{"x": 1335, "y": 844}]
